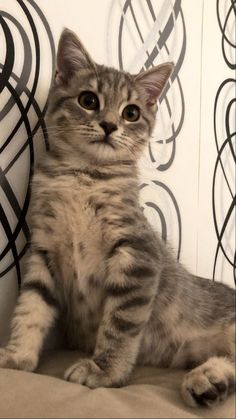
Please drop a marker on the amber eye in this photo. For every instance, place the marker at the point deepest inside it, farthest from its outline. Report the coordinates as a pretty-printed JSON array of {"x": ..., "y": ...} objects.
[
  {"x": 89, "y": 100},
  {"x": 131, "y": 113}
]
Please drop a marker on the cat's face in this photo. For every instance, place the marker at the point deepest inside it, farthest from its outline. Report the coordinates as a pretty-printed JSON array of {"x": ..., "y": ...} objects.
[{"x": 103, "y": 113}]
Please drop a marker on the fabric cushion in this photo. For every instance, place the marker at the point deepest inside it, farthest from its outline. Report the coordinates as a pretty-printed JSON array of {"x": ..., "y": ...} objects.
[{"x": 151, "y": 393}]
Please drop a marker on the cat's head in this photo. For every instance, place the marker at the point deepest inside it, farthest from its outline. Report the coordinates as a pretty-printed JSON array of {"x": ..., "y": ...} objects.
[{"x": 100, "y": 112}]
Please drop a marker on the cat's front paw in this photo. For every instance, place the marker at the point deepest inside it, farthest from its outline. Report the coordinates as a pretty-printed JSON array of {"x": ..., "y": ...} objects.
[
  {"x": 88, "y": 373},
  {"x": 11, "y": 359},
  {"x": 6, "y": 360}
]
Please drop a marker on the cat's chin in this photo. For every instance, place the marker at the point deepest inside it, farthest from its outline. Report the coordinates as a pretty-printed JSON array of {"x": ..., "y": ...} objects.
[
  {"x": 104, "y": 152},
  {"x": 105, "y": 142}
]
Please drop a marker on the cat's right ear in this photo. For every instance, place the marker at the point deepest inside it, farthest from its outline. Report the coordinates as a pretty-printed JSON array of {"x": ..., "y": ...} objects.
[{"x": 71, "y": 57}]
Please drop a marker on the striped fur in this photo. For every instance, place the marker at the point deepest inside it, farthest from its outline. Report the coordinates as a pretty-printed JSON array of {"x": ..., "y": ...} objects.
[{"x": 95, "y": 263}]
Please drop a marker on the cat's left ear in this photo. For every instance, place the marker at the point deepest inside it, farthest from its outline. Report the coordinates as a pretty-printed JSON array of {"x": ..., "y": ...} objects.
[
  {"x": 153, "y": 81},
  {"x": 71, "y": 57}
]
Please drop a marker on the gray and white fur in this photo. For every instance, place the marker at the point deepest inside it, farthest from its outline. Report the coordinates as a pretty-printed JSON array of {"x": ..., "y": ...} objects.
[{"x": 95, "y": 264}]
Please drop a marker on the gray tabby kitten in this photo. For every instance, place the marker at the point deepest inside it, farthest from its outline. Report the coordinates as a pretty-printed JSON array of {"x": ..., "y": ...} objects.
[{"x": 95, "y": 263}]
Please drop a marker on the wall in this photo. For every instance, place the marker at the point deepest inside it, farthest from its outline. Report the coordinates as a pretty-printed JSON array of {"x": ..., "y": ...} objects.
[{"x": 188, "y": 172}]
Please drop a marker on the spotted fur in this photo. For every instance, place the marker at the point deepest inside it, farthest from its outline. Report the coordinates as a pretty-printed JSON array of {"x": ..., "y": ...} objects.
[{"x": 95, "y": 264}]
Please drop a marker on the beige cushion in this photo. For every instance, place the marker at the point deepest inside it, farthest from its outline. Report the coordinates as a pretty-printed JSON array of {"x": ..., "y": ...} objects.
[{"x": 151, "y": 393}]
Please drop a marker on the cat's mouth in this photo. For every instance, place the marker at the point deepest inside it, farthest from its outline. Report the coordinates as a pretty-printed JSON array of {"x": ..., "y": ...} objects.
[{"x": 105, "y": 140}]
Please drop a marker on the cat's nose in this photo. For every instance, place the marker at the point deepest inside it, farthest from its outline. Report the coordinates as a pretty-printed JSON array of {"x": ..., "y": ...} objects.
[{"x": 108, "y": 127}]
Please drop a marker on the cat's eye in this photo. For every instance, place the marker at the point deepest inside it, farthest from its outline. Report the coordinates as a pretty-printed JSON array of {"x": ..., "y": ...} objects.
[
  {"x": 131, "y": 113},
  {"x": 88, "y": 100}
]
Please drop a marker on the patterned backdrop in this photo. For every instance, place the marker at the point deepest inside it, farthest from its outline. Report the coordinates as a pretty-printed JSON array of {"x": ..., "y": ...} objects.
[{"x": 187, "y": 174}]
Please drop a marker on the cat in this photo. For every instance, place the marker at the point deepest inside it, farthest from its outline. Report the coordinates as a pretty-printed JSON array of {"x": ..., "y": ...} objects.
[{"x": 94, "y": 263}]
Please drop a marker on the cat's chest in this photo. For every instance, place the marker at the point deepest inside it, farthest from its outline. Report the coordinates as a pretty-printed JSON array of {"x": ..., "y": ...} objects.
[
  {"x": 65, "y": 206},
  {"x": 79, "y": 216},
  {"x": 78, "y": 228},
  {"x": 73, "y": 234}
]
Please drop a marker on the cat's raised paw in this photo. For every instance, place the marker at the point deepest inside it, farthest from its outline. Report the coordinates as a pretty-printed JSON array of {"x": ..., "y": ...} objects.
[
  {"x": 88, "y": 373},
  {"x": 208, "y": 384}
]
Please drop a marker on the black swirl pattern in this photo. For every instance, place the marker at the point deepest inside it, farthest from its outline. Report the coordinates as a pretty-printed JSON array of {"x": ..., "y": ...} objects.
[
  {"x": 225, "y": 146},
  {"x": 20, "y": 92},
  {"x": 154, "y": 203}
]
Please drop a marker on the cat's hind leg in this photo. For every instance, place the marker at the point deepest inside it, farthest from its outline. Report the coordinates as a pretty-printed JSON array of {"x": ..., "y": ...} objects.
[
  {"x": 34, "y": 314},
  {"x": 209, "y": 383}
]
